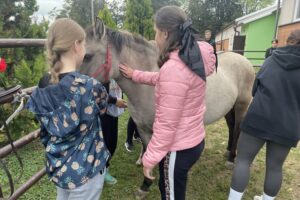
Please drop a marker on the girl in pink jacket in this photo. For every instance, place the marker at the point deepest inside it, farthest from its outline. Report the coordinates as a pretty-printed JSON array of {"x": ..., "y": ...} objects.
[{"x": 178, "y": 129}]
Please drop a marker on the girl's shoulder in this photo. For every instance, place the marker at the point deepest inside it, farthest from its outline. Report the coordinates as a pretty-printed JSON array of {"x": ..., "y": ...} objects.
[{"x": 77, "y": 79}]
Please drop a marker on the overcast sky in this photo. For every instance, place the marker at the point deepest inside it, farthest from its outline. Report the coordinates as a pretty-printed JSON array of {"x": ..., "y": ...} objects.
[{"x": 45, "y": 6}]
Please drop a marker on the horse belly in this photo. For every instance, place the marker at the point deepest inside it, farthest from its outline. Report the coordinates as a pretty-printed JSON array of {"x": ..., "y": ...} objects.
[{"x": 220, "y": 97}]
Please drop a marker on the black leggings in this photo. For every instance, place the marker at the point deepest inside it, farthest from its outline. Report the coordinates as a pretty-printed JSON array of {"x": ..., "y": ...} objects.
[
  {"x": 173, "y": 172},
  {"x": 131, "y": 130},
  {"x": 110, "y": 133},
  {"x": 248, "y": 147}
]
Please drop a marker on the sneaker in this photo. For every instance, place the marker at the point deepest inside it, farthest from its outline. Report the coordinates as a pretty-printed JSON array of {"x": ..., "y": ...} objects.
[
  {"x": 109, "y": 179},
  {"x": 136, "y": 138},
  {"x": 129, "y": 147},
  {"x": 258, "y": 198}
]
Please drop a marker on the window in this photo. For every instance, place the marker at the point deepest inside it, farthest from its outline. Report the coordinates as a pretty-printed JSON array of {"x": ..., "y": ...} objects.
[{"x": 297, "y": 10}]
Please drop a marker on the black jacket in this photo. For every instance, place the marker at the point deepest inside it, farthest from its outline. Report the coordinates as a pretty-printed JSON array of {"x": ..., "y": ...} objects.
[
  {"x": 269, "y": 52},
  {"x": 274, "y": 113},
  {"x": 213, "y": 44}
]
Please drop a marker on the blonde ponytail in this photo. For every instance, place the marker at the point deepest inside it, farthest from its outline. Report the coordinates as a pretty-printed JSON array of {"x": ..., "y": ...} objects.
[{"x": 62, "y": 35}]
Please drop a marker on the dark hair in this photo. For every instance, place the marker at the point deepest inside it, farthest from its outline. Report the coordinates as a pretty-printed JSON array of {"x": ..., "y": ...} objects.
[
  {"x": 274, "y": 40},
  {"x": 170, "y": 19},
  {"x": 294, "y": 38}
]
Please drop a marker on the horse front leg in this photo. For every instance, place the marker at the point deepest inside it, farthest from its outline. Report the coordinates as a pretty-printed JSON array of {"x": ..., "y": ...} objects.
[
  {"x": 145, "y": 186},
  {"x": 139, "y": 160}
]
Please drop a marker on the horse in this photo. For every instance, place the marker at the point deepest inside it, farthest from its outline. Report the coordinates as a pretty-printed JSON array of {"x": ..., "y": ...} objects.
[{"x": 228, "y": 92}]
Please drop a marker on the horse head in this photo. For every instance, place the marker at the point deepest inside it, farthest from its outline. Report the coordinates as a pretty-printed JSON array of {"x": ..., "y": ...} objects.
[{"x": 101, "y": 60}]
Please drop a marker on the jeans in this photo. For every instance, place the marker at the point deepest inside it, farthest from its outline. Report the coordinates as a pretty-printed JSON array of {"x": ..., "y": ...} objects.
[{"x": 89, "y": 191}]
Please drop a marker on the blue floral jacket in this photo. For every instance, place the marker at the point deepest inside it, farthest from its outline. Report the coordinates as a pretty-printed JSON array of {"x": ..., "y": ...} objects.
[{"x": 71, "y": 130}]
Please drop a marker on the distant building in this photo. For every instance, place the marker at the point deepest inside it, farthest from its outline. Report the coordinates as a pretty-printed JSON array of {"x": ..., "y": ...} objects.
[
  {"x": 252, "y": 32},
  {"x": 289, "y": 19}
]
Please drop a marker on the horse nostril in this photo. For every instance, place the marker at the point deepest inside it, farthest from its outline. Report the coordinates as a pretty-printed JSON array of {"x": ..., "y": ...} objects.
[{"x": 87, "y": 57}]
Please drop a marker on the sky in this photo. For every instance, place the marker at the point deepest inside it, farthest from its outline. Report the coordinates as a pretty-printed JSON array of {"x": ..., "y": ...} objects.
[{"x": 45, "y": 6}]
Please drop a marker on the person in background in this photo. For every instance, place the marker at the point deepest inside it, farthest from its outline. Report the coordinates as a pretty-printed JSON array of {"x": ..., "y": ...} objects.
[
  {"x": 132, "y": 134},
  {"x": 109, "y": 122},
  {"x": 211, "y": 41},
  {"x": 272, "y": 120},
  {"x": 270, "y": 50}
]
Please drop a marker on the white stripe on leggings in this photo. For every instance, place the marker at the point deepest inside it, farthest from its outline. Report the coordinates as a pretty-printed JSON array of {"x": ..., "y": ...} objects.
[{"x": 171, "y": 174}]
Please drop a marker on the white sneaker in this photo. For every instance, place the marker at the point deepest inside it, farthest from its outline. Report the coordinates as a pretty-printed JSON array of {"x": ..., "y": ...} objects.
[{"x": 258, "y": 197}]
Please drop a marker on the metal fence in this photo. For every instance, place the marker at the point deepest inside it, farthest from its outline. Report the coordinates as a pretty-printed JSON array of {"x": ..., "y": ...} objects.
[
  {"x": 10, "y": 148},
  {"x": 20, "y": 143}
]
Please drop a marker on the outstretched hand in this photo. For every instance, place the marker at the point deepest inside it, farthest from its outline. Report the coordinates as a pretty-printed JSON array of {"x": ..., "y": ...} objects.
[
  {"x": 121, "y": 103},
  {"x": 148, "y": 173},
  {"x": 126, "y": 70}
]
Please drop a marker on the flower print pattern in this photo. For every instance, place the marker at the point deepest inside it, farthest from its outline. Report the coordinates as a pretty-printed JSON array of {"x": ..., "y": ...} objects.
[
  {"x": 88, "y": 110},
  {"x": 75, "y": 165},
  {"x": 82, "y": 90},
  {"x": 90, "y": 158}
]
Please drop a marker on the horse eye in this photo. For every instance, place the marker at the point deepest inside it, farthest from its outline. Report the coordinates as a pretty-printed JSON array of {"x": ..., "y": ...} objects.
[{"x": 88, "y": 57}]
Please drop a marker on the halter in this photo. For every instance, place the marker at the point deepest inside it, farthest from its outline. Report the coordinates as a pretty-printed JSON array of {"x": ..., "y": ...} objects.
[{"x": 106, "y": 67}]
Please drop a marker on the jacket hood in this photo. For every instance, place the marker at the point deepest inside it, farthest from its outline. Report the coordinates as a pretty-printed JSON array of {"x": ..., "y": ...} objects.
[{"x": 287, "y": 57}]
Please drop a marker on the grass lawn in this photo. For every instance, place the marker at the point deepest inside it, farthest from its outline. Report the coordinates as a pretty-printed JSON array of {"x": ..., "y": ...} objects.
[{"x": 208, "y": 180}]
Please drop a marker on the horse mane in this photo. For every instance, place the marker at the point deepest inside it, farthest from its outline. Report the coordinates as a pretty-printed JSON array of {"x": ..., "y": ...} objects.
[{"x": 119, "y": 39}]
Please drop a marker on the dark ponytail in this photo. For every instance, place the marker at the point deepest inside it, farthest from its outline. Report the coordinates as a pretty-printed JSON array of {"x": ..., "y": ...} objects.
[{"x": 180, "y": 36}]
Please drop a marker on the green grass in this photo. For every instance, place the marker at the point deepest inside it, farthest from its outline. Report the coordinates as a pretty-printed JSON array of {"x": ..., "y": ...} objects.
[{"x": 208, "y": 180}]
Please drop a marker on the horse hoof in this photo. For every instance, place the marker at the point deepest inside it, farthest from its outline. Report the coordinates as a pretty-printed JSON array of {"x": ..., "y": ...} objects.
[
  {"x": 229, "y": 165},
  {"x": 226, "y": 154},
  {"x": 139, "y": 162},
  {"x": 140, "y": 194}
]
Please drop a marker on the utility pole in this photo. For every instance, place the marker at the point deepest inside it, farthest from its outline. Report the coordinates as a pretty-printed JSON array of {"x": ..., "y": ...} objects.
[
  {"x": 277, "y": 19},
  {"x": 93, "y": 17}
]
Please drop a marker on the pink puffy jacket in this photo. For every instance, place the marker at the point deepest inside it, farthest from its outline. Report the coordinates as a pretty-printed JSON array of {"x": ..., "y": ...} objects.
[{"x": 179, "y": 105}]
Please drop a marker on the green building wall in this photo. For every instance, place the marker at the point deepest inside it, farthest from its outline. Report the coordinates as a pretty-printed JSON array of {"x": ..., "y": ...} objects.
[{"x": 259, "y": 35}]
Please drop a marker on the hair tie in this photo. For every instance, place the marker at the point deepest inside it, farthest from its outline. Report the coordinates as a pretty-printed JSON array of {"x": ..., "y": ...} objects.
[
  {"x": 189, "y": 52},
  {"x": 187, "y": 24}
]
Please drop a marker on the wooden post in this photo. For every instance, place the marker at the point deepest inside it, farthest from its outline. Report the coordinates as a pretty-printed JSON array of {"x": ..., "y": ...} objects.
[
  {"x": 6, "y": 150},
  {"x": 14, "y": 43},
  {"x": 26, "y": 186}
]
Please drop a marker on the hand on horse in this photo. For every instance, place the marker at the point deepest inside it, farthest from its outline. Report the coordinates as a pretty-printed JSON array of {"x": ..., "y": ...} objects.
[
  {"x": 121, "y": 103},
  {"x": 148, "y": 173},
  {"x": 126, "y": 71}
]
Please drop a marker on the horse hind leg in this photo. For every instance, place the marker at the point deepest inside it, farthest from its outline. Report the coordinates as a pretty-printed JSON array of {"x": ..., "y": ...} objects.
[
  {"x": 240, "y": 109},
  {"x": 230, "y": 121}
]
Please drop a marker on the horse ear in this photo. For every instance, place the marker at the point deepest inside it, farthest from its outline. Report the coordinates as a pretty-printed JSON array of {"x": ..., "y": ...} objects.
[{"x": 100, "y": 29}]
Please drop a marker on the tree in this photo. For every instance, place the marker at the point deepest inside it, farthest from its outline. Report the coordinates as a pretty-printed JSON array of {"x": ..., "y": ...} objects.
[
  {"x": 117, "y": 9},
  {"x": 250, "y": 6},
  {"x": 213, "y": 14},
  {"x": 157, "y": 4},
  {"x": 25, "y": 65},
  {"x": 139, "y": 17},
  {"x": 15, "y": 22},
  {"x": 106, "y": 16},
  {"x": 78, "y": 10}
]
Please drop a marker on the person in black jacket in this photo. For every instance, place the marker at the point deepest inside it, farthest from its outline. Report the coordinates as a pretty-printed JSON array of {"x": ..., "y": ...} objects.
[
  {"x": 270, "y": 50},
  {"x": 272, "y": 119},
  {"x": 212, "y": 42}
]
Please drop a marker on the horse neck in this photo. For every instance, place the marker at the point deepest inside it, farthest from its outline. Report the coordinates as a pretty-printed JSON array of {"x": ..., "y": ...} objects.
[{"x": 140, "y": 97}]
